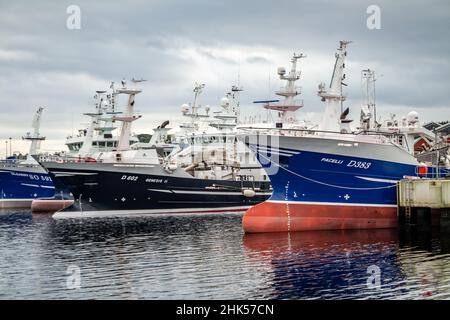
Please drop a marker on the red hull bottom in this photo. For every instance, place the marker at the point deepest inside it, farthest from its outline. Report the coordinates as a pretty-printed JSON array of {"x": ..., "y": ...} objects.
[
  {"x": 51, "y": 205},
  {"x": 281, "y": 217}
]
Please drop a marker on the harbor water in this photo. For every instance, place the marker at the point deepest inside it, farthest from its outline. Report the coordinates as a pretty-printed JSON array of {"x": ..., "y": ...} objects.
[{"x": 210, "y": 257}]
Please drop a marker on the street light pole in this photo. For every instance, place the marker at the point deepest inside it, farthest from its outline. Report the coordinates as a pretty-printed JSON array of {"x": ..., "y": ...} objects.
[{"x": 10, "y": 146}]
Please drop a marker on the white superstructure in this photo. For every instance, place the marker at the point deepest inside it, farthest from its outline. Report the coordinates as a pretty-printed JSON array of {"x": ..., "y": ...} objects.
[
  {"x": 212, "y": 151},
  {"x": 101, "y": 134},
  {"x": 287, "y": 107},
  {"x": 333, "y": 118}
]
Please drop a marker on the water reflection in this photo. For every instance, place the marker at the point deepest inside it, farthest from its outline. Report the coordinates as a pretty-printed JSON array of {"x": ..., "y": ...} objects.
[
  {"x": 425, "y": 257},
  {"x": 339, "y": 264},
  {"x": 326, "y": 264},
  {"x": 209, "y": 257}
]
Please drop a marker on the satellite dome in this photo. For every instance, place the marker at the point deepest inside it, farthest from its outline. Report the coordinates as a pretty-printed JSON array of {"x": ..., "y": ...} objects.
[
  {"x": 224, "y": 102},
  {"x": 184, "y": 108},
  {"x": 413, "y": 117},
  {"x": 281, "y": 71}
]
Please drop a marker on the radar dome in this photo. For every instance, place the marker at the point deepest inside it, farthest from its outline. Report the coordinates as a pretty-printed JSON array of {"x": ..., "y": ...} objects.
[
  {"x": 413, "y": 117},
  {"x": 224, "y": 102},
  {"x": 185, "y": 108}
]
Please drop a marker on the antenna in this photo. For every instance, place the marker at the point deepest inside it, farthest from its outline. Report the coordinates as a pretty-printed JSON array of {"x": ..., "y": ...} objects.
[
  {"x": 286, "y": 108},
  {"x": 368, "y": 97},
  {"x": 239, "y": 71},
  {"x": 334, "y": 96},
  {"x": 35, "y": 137},
  {"x": 138, "y": 80}
]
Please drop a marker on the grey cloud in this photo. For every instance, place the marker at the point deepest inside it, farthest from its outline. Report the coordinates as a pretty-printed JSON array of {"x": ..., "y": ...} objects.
[
  {"x": 257, "y": 59},
  {"x": 41, "y": 62}
]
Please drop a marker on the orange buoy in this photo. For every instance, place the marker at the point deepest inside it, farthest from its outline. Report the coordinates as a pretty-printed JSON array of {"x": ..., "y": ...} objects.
[{"x": 422, "y": 170}]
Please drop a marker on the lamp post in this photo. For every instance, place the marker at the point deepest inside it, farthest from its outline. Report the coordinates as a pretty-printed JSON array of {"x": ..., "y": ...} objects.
[
  {"x": 6, "y": 149},
  {"x": 10, "y": 146}
]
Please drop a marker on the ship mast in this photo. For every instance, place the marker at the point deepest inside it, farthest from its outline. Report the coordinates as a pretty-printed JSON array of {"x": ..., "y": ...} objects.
[
  {"x": 197, "y": 92},
  {"x": 368, "y": 108},
  {"x": 288, "y": 107},
  {"x": 129, "y": 116},
  {"x": 228, "y": 117},
  {"x": 234, "y": 98},
  {"x": 87, "y": 143},
  {"x": 35, "y": 138},
  {"x": 194, "y": 108},
  {"x": 333, "y": 96}
]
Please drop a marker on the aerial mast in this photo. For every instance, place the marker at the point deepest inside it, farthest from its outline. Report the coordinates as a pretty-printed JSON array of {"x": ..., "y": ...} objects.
[
  {"x": 35, "y": 137},
  {"x": 333, "y": 96},
  {"x": 289, "y": 105},
  {"x": 192, "y": 110},
  {"x": 87, "y": 143},
  {"x": 129, "y": 116},
  {"x": 368, "y": 108}
]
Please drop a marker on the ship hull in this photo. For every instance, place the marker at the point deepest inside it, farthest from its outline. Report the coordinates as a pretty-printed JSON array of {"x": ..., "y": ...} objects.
[
  {"x": 273, "y": 216},
  {"x": 19, "y": 186},
  {"x": 326, "y": 184},
  {"x": 101, "y": 189}
]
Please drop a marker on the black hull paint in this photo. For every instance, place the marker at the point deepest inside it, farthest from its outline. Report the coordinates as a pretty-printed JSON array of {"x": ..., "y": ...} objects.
[{"x": 117, "y": 191}]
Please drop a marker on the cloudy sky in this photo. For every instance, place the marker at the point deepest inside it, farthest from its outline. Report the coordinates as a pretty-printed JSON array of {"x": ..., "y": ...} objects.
[{"x": 174, "y": 44}]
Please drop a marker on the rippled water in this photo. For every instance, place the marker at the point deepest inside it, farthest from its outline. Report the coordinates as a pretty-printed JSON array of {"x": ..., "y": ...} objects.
[{"x": 209, "y": 257}]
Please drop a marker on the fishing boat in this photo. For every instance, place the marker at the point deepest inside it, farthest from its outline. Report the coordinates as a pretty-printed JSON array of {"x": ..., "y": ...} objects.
[
  {"x": 102, "y": 128},
  {"x": 139, "y": 181},
  {"x": 334, "y": 177},
  {"x": 23, "y": 180}
]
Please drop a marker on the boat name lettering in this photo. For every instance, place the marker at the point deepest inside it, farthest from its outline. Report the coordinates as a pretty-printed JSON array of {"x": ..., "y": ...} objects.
[
  {"x": 345, "y": 144},
  {"x": 329, "y": 160},
  {"x": 43, "y": 178},
  {"x": 130, "y": 178},
  {"x": 154, "y": 180},
  {"x": 32, "y": 176},
  {"x": 359, "y": 164},
  {"x": 19, "y": 174}
]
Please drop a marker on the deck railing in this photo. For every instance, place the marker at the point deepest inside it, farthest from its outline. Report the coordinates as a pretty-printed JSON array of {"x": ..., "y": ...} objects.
[{"x": 299, "y": 132}]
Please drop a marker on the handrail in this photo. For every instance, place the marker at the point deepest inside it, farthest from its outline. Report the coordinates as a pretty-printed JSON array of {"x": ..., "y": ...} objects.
[
  {"x": 368, "y": 132},
  {"x": 68, "y": 159}
]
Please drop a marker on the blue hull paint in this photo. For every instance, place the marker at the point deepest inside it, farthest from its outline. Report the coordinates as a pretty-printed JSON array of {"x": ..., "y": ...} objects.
[
  {"x": 17, "y": 185},
  {"x": 303, "y": 176}
]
